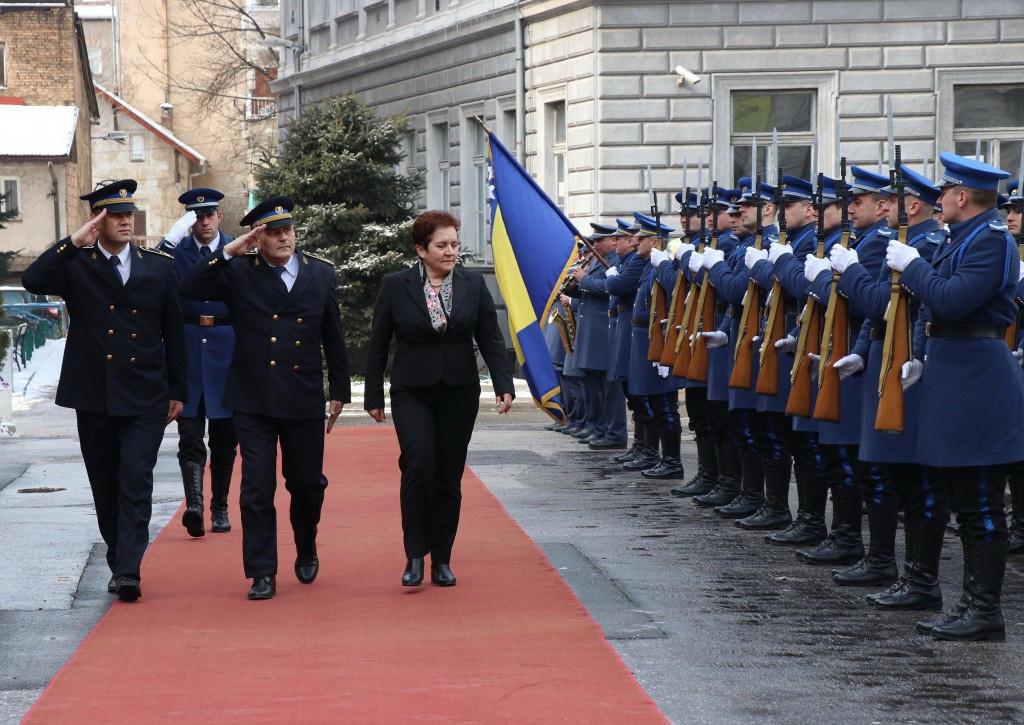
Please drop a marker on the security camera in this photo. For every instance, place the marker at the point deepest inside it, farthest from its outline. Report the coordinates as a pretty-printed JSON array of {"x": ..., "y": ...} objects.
[
  {"x": 166, "y": 107},
  {"x": 686, "y": 76}
]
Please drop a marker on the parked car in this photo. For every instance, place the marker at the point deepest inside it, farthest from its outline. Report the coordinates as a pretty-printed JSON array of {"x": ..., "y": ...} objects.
[{"x": 19, "y": 300}]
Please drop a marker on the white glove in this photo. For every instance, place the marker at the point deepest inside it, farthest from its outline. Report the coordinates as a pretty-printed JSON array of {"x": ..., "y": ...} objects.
[
  {"x": 842, "y": 258},
  {"x": 179, "y": 229},
  {"x": 898, "y": 256},
  {"x": 776, "y": 250},
  {"x": 849, "y": 365},
  {"x": 715, "y": 339},
  {"x": 753, "y": 256},
  {"x": 1020, "y": 273},
  {"x": 912, "y": 370},
  {"x": 755, "y": 341},
  {"x": 714, "y": 256},
  {"x": 695, "y": 262},
  {"x": 612, "y": 272},
  {"x": 1018, "y": 355},
  {"x": 663, "y": 371},
  {"x": 786, "y": 344},
  {"x": 658, "y": 256},
  {"x": 814, "y": 266},
  {"x": 683, "y": 248}
]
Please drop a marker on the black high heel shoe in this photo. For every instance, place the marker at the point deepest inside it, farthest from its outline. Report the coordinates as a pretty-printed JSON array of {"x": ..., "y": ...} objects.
[
  {"x": 413, "y": 575},
  {"x": 441, "y": 575}
]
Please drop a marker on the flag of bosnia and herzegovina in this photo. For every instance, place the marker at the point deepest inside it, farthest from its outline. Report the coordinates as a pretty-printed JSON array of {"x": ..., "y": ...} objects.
[{"x": 534, "y": 245}]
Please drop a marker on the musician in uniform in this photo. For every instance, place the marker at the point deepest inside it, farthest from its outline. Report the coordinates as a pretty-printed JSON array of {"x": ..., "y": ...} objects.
[
  {"x": 903, "y": 483},
  {"x": 209, "y": 342},
  {"x": 123, "y": 369},
  {"x": 968, "y": 375},
  {"x": 284, "y": 306}
]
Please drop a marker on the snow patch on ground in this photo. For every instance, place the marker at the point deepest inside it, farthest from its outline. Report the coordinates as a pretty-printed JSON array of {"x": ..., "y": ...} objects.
[{"x": 39, "y": 378}]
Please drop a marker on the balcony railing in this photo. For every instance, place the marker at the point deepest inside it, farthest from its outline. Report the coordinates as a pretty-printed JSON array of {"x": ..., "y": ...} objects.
[{"x": 258, "y": 107}]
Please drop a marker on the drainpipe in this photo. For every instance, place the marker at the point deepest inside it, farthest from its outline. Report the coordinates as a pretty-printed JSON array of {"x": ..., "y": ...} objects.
[
  {"x": 191, "y": 177},
  {"x": 54, "y": 192},
  {"x": 517, "y": 29}
]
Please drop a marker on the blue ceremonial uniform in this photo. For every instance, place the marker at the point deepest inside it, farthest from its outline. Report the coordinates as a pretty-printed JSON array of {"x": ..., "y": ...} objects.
[
  {"x": 623, "y": 286},
  {"x": 643, "y": 376},
  {"x": 970, "y": 281},
  {"x": 789, "y": 271},
  {"x": 730, "y": 278},
  {"x": 720, "y": 358}
]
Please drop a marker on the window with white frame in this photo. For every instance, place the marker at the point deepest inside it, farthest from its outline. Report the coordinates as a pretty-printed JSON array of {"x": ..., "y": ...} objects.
[
  {"x": 10, "y": 197},
  {"x": 756, "y": 114},
  {"x": 988, "y": 123},
  {"x": 438, "y": 166},
  {"x": 473, "y": 182},
  {"x": 555, "y": 156},
  {"x": 96, "y": 60},
  {"x": 136, "y": 147}
]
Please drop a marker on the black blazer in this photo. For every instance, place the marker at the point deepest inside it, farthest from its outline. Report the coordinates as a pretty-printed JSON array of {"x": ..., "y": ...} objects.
[
  {"x": 424, "y": 357},
  {"x": 125, "y": 352},
  {"x": 277, "y": 367}
]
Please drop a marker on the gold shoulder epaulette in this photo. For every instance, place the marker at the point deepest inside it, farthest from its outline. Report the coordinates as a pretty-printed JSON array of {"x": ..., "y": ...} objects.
[
  {"x": 317, "y": 258},
  {"x": 156, "y": 251}
]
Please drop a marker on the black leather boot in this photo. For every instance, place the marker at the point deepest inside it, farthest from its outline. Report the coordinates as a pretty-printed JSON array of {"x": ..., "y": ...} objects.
[
  {"x": 925, "y": 626},
  {"x": 707, "y": 474},
  {"x": 220, "y": 484},
  {"x": 843, "y": 545},
  {"x": 670, "y": 465},
  {"x": 724, "y": 492},
  {"x": 1015, "y": 520},
  {"x": 648, "y": 457},
  {"x": 441, "y": 574},
  {"x": 632, "y": 451},
  {"x": 809, "y": 524},
  {"x": 192, "y": 479},
  {"x": 920, "y": 588},
  {"x": 307, "y": 564},
  {"x": 413, "y": 574},
  {"x": 774, "y": 510},
  {"x": 750, "y": 499},
  {"x": 879, "y": 566},
  {"x": 983, "y": 620}
]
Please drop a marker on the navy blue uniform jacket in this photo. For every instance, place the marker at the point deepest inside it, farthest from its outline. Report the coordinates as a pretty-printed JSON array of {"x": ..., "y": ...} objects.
[{"x": 125, "y": 351}]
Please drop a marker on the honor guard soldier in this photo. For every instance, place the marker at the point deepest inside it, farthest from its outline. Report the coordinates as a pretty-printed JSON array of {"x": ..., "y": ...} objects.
[
  {"x": 209, "y": 341},
  {"x": 1014, "y": 207},
  {"x": 969, "y": 376},
  {"x": 123, "y": 369},
  {"x": 652, "y": 388},
  {"x": 591, "y": 348},
  {"x": 284, "y": 306},
  {"x": 902, "y": 482}
]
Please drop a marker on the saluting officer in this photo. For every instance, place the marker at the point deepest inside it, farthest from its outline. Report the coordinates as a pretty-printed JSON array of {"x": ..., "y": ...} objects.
[
  {"x": 210, "y": 341},
  {"x": 284, "y": 305},
  {"x": 969, "y": 376},
  {"x": 123, "y": 369}
]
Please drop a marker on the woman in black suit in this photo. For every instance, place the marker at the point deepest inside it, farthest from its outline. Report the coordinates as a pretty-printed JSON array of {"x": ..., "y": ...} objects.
[{"x": 434, "y": 311}]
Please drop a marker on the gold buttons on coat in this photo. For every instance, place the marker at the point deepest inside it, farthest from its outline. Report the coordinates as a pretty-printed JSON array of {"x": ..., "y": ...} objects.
[
  {"x": 298, "y": 343},
  {"x": 110, "y": 332},
  {"x": 109, "y": 358},
  {"x": 131, "y": 361},
  {"x": 135, "y": 312},
  {"x": 274, "y": 317},
  {"x": 204, "y": 340},
  {"x": 133, "y": 335},
  {"x": 111, "y": 308},
  {"x": 299, "y": 320},
  {"x": 273, "y": 339},
  {"x": 295, "y": 367},
  {"x": 273, "y": 363}
]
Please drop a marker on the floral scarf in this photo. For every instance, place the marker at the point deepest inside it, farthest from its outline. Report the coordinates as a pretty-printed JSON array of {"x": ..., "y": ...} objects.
[{"x": 439, "y": 302}]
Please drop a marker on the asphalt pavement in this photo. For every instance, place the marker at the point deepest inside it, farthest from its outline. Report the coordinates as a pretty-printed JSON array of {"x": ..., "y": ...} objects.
[{"x": 717, "y": 626}]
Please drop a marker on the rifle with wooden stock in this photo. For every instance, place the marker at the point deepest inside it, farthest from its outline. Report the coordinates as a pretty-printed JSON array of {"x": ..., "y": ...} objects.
[
  {"x": 775, "y": 311},
  {"x": 705, "y": 310},
  {"x": 684, "y": 351},
  {"x": 835, "y": 341},
  {"x": 897, "y": 344},
  {"x": 809, "y": 339},
  {"x": 654, "y": 330},
  {"x": 679, "y": 292},
  {"x": 1018, "y": 206},
  {"x": 743, "y": 356}
]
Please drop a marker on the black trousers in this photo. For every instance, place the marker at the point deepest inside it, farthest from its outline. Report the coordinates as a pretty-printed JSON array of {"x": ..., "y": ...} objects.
[
  {"x": 302, "y": 463},
  {"x": 191, "y": 446},
  {"x": 976, "y": 494},
  {"x": 434, "y": 425},
  {"x": 119, "y": 454}
]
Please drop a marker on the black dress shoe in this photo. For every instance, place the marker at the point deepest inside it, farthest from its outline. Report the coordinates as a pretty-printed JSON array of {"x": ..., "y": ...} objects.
[
  {"x": 718, "y": 496},
  {"x": 128, "y": 588},
  {"x": 219, "y": 522},
  {"x": 413, "y": 575},
  {"x": 263, "y": 587},
  {"x": 803, "y": 531},
  {"x": 441, "y": 574},
  {"x": 307, "y": 569},
  {"x": 112, "y": 585},
  {"x": 666, "y": 468},
  {"x": 833, "y": 550},
  {"x": 644, "y": 461},
  {"x": 628, "y": 456},
  {"x": 740, "y": 507},
  {"x": 866, "y": 572},
  {"x": 696, "y": 486}
]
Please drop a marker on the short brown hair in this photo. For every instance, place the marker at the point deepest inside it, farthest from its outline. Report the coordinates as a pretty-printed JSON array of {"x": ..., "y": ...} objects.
[
  {"x": 429, "y": 222},
  {"x": 983, "y": 197}
]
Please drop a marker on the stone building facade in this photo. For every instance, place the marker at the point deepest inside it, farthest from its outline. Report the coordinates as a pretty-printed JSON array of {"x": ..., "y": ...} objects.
[
  {"x": 43, "y": 63},
  {"x": 598, "y": 100}
]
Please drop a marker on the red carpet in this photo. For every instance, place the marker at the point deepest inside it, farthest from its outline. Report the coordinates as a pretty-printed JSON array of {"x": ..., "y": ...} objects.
[{"x": 510, "y": 643}]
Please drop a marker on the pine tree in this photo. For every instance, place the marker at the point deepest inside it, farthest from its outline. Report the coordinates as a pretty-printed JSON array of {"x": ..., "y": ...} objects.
[{"x": 338, "y": 164}]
